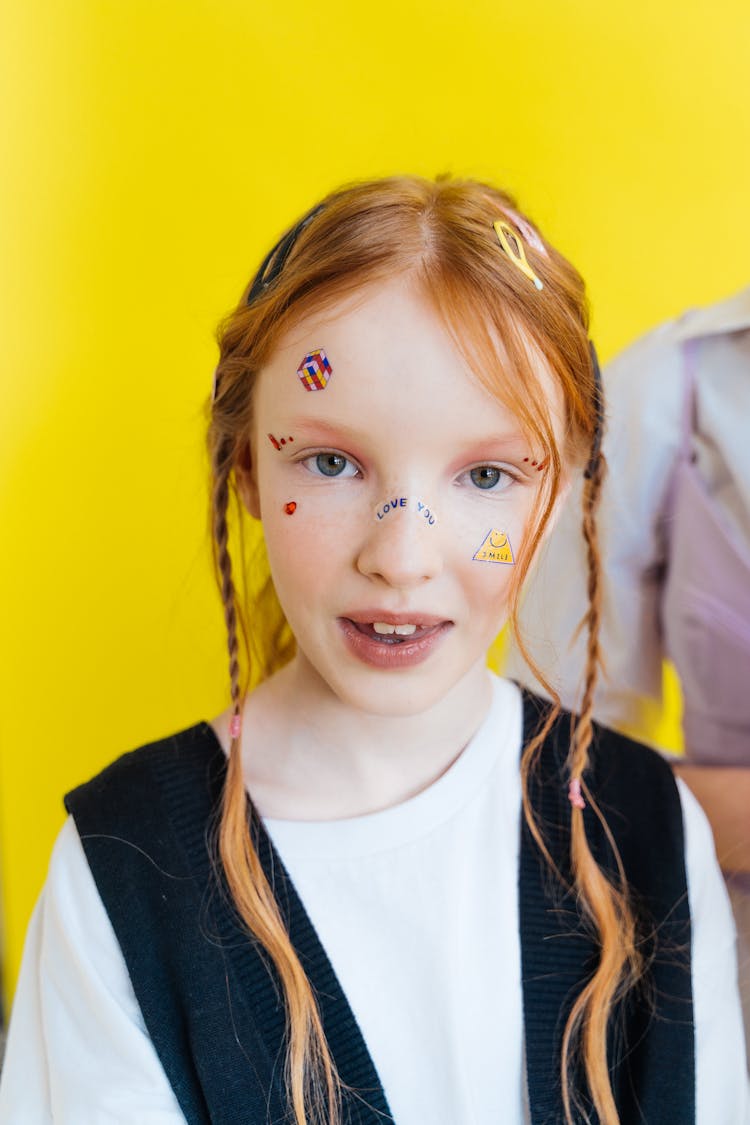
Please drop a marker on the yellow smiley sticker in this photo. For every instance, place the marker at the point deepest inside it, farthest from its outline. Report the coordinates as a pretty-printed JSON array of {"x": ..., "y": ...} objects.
[{"x": 495, "y": 548}]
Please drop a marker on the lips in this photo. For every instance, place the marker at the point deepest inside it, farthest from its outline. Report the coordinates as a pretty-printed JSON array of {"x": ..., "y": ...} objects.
[{"x": 368, "y": 636}]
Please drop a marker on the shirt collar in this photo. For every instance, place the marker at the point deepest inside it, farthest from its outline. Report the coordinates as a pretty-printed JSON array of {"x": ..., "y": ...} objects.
[{"x": 732, "y": 315}]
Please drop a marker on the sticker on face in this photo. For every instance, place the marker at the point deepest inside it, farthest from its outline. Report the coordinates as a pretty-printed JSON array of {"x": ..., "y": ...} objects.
[
  {"x": 315, "y": 370},
  {"x": 495, "y": 548},
  {"x": 277, "y": 443},
  {"x": 396, "y": 503}
]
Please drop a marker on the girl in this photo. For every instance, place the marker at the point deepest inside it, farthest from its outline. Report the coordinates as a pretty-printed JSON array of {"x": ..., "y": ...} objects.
[{"x": 343, "y": 901}]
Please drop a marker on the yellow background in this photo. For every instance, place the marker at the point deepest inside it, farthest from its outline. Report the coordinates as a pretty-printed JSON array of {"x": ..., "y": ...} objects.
[{"x": 151, "y": 151}]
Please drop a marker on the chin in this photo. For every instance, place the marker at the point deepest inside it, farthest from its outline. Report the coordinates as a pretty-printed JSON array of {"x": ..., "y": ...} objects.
[{"x": 392, "y": 694}]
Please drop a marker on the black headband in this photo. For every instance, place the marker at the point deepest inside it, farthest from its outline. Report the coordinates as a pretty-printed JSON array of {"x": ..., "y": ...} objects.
[{"x": 275, "y": 259}]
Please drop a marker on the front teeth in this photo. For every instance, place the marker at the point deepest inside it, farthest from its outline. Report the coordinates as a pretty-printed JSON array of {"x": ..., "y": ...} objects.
[{"x": 385, "y": 630}]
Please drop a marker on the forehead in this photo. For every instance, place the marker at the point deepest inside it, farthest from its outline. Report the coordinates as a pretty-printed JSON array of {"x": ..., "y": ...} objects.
[{"x": 392, "y": 362}]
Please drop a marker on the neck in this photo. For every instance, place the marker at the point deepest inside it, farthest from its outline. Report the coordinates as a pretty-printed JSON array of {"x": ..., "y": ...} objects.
[{"x": 324, "y": 760}]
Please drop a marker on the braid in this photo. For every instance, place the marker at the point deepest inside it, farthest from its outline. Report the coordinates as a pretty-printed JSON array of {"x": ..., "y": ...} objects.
[
  {"x": 593, "y": 481},
  {"x": 224, "y": 568},
  {"x": 603, "y": 902}
]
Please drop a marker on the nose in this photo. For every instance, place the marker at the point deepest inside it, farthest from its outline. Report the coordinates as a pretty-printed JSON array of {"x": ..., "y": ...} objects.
[{"x": 402, "y": 546}]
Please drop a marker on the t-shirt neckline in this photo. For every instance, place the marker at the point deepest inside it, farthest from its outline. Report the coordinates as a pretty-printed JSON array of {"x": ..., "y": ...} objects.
[{"x": 494, "y": 745}]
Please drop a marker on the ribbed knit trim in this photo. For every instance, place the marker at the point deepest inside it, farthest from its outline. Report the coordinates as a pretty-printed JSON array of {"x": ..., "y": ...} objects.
[
  {"x": 636, "y": 792},
  {"x": 190, "y": 808}
]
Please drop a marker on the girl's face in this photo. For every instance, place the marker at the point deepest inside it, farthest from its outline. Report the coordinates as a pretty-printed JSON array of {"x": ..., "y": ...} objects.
[{"x": 395, "y": 493}]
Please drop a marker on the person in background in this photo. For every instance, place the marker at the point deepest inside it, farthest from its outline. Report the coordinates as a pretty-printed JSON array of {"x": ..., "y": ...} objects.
[{"x": 675, "y": 542}]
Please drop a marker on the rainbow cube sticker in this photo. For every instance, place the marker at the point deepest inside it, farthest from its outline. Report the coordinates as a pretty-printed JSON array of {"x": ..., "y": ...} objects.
[{"x": 315, "y": 371}]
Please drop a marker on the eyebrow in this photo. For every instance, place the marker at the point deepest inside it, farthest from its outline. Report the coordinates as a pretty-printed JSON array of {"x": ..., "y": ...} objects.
[
  {"x": 318, "y": 426},
  {"x": 511, "y": 448},
  {"x": 486, "y": 441},
  {"x": 513, "y": 440}
]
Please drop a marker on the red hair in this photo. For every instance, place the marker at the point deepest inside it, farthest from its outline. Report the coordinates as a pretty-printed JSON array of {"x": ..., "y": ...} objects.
[{"x": 440, "y": 235}]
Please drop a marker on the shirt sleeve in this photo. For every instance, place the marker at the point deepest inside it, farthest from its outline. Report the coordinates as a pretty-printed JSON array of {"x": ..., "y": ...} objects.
[
  {"x": 721, "y": 1080},
  {"x": 644, "y": 394},
  {"x": 78, "y": 1050}
]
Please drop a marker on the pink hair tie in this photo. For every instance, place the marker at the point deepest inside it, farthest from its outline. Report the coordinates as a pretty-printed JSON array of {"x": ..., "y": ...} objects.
[
  {"x": 574, "y": 793},
  {"x": 235, "y": 726}
]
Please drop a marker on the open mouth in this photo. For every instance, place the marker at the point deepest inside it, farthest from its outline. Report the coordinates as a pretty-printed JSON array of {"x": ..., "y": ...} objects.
[
  {"x": 395, "y": 644},
  {"x": 387, "y": 634}
]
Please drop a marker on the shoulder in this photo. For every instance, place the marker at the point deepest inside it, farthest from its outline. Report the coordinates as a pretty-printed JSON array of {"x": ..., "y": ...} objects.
[
  {"x": 705, "y": 881},
  {"x": 615, "y": 760},
  {"x": 633, "y": 785},
  {"x": 75, "y": 919},
  {"x": 77, "y": 1039},
  {"x": 721, "y": 1082},
  {"x": 140, "y": 773},
  {"x": 723, "y": 318},
  {"x": 650, "y": 370},
  {"x": 657, "y": 356},
  {"x": 623, "y": 765},
  {"x": 661, "y": 348},
  {"x": 636, "y": 790},
  {"x": 154, "y": 803}
]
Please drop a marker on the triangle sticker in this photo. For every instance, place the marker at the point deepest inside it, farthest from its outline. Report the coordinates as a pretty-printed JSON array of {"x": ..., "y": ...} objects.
[{"x": 495, "y": 548}]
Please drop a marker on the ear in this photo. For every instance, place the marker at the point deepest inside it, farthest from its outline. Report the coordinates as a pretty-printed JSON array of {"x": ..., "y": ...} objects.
[{"x": 247, "y": 485}]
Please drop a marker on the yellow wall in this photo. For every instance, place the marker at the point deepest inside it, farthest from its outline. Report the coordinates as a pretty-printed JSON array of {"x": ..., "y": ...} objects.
[{"x": 151, "y": 150}]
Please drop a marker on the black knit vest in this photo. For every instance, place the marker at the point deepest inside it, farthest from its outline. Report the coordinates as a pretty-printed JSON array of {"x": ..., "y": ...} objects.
[{"x": 210, "y": 998}]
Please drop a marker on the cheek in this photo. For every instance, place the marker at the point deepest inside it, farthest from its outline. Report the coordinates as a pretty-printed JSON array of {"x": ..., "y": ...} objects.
[
  {"x": 489, "y": 536},
  {"x": 486, "y": 553},
  {"x": 305, "y": 542},
  {"x": 297, "y": 513},
  {"x": 496, "y": 548}
]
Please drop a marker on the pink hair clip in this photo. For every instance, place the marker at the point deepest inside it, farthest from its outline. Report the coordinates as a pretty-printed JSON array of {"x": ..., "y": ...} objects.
[
  {"x": 574, "y": 793},
  {"x": 527, "y": 231},
  {"x": 235, "y": 726}
]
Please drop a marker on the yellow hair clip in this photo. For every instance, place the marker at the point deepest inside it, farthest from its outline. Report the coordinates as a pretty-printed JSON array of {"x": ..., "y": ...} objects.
[{"x": 513, "y": 247}]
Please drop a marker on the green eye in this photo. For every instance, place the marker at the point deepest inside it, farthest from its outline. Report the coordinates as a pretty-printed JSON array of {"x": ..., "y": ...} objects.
[
  {"x": 331, "y": 464},
  {"x": 486, "y": 476}
]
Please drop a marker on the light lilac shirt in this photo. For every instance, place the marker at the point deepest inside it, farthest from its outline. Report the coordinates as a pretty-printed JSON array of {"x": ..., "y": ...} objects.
[{"x": 674, "y": 528}]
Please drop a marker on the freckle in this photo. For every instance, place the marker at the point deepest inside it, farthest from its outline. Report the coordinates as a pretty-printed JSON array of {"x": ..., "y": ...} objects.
[
  {"x": 283, "y": 441},
  {"x": 291, "y": 439},
  {"x": 542, "y": 465},
  {"x": 525, "y": 459},
  {"x": 533, "y": 462},
  {"x": 291, "y": 507}
]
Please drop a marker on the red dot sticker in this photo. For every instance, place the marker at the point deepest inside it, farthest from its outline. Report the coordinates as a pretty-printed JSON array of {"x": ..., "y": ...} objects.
[
  {"x": 291, "y": 507},
  {"x": 278, "y": 442}
]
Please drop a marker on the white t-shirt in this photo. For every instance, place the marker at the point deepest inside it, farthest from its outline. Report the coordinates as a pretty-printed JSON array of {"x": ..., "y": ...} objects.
[{"x": 417, "y": 908}]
